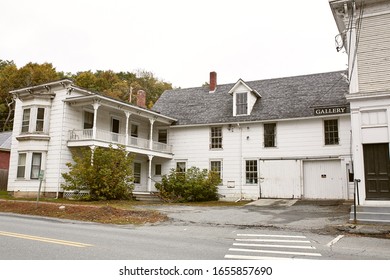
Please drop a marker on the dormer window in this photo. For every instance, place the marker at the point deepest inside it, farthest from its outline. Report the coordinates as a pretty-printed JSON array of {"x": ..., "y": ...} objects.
[
  {"x": 241, "y": 103},
  {"x": 244, "y": 98}
]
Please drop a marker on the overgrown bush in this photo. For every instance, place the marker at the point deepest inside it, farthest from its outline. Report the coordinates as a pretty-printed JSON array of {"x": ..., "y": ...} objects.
[
  {"x": 109, "y": 177},
  {"x": 193, "y": 185}
]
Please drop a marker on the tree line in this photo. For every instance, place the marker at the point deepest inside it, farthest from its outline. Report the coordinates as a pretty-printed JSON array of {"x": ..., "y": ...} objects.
[{"x": 120, "y": 85}]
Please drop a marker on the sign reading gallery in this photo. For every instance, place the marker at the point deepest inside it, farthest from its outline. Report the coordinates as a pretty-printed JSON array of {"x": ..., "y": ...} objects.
[{"x": 330, "y": 110}]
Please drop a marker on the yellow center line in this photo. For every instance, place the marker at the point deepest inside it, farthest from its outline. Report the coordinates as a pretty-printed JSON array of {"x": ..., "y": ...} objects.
[{"x": 44, "y": 239}]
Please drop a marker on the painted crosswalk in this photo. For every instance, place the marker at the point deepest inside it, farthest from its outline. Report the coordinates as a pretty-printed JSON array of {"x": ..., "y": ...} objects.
[{"x": 271, "y": 246}]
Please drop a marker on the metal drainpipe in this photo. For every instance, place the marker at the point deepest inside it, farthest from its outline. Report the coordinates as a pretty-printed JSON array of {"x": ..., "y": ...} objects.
[
  {"x": 59, "y": 165},
  {"x": 241, "y": 164}
]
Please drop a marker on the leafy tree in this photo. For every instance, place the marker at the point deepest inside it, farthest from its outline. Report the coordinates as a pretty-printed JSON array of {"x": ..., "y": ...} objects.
[
  {"x": 106, "y": 173},
  {"x": 116, "y": 85},
  {"x": 13, "y": 78},
  {"x": 193, "y": 185}
]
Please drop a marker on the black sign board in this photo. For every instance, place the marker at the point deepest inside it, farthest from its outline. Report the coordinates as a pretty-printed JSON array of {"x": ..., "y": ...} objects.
[{"x": 330, "y": 110}]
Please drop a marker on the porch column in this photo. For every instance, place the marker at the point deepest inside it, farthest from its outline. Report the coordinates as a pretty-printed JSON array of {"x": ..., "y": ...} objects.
[
  {"x": 95, "y": 105},
  {"x": 92, "y": 153},
  {"x": 151, "y": 134},
  {"x": 127, "y": 127},
  {"x": 150, "y": 173}
]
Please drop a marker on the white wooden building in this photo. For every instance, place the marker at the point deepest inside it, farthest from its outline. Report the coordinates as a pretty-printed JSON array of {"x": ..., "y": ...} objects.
[
  {"x": 53, "y": 118},
  {"x": 364, "y": 28},
  {"x": 276, "y": 138}
]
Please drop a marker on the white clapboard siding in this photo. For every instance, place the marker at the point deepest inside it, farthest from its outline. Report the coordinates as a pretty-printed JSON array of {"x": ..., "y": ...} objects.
[
  {"x": 296, "y": 140},
  {"x": 374, "y": 53}
]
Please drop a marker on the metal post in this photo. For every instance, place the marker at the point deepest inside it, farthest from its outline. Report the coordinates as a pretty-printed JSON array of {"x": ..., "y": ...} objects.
[
  {"x": 355, "y": 195},
  {"x": 357, "y": 189},
  {"x": 40, "y": 176}
]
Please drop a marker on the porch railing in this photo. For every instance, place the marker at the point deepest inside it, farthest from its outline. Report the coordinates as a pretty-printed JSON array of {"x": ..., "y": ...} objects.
[{"x": 116, "y": 138}]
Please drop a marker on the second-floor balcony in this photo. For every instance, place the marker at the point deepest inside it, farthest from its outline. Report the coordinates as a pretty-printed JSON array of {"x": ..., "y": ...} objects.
[{"x": 84, "y": 137}]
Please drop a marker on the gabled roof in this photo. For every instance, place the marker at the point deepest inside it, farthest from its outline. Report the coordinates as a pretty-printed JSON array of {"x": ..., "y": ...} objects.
[
  {"x": 241, "y": 82},
  {"x": 5, "y": 140},
  {"x": 282, "y": 98}
]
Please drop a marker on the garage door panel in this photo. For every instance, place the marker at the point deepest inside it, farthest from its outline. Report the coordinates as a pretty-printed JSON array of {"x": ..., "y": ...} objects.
[
  {"x": 322, "y": 179},
  {"x": 280, "y": 178}
]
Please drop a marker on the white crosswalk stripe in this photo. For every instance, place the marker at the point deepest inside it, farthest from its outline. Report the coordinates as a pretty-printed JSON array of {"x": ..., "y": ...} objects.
[{"x": 271, "y": 246}]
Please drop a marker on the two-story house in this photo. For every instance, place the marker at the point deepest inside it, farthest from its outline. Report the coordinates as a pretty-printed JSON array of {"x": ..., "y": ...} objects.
[
  {"x": 276, "y": 138},
  {"x": 364, "y": 28},
  {"x": 53, "y": 118}
]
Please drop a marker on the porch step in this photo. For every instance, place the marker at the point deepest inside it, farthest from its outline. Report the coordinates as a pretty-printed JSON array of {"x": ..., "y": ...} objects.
[
  {"x": 146, "y": 196},
  {"x": 371, "y": 214}
]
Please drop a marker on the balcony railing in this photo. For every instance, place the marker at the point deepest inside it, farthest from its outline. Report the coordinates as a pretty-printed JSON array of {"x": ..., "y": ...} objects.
[{"x": 116, "y": 138}]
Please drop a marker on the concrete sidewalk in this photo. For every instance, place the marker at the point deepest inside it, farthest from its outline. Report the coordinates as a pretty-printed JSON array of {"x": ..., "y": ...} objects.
[{"x": 320, "y": 216}]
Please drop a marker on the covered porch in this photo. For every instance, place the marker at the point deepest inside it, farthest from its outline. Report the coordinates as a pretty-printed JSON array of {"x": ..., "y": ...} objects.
[{"x": 100, "y": 121}]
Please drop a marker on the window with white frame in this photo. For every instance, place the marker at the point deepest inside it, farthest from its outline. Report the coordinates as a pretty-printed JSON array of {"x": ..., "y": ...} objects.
[
  {"x": 134, "y": 130},
  {"x": 163, "y": 136},
  {"x": 26, "y": 120},
  {"x": 137, "y": 173},
  {"x": 216, "y": 166},
  {"x": 181, "y": 166},
  {"x": 331, "y": 130},
  {"x": 157, "y": 169},
  {"x": 36, "y": 165},
  {"x": 88, "y": 120},
  {"x": 40, "y": 119},
  {"x": 216, "y": 137},
  {"x": 269, "y": 135},
  {"x": 21, "y": 172},
  {"x": 241, "y": 103},
  {"x": 251, "y": 171}
]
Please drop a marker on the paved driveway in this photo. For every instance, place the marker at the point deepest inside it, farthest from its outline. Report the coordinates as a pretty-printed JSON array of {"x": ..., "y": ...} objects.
[{"x": 278, "y": 213}]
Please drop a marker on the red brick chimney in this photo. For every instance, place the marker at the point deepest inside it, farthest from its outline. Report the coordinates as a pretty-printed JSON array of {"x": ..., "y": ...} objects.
[
  {"x": 141, "y": 98},
  {"x": 213, "y": 81}
]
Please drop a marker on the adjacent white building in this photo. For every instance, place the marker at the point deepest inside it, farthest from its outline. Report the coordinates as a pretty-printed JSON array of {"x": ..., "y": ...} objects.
[{"x": 364, "y": 28}]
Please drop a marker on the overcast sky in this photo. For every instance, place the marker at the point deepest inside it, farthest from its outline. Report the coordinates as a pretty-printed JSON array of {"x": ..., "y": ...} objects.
[{"x": 180, "y": 41}]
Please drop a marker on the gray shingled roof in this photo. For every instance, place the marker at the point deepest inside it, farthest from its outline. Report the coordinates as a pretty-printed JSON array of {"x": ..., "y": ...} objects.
[
  {"x": 282, "y": 98},
  {"x": 5, "y": 140}
]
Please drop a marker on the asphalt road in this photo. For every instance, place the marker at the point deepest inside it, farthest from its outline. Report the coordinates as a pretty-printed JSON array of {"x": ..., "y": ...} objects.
[{"x": 31, "y": 238}]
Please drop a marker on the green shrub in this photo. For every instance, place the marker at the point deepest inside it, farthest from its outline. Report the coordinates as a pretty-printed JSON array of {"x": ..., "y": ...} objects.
[
  {"x": 193, "y": 185},
  {"x": 109, "y": 177}
]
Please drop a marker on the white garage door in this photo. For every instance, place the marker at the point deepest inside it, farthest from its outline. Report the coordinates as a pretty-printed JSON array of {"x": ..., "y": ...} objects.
[
  {"x": 280, "y": 178},
  {"x": 323, "y": 179}
]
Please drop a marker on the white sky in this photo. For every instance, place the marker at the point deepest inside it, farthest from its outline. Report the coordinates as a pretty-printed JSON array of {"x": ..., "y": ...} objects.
[{"x": 180, "y": 41}]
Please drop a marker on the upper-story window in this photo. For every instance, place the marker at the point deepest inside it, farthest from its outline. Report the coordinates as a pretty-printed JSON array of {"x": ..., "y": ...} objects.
[
  {"x": 163, "y": 136},
  {"x": 331, "y": 130},
  {"x": 88, "y": 120},
  {"x": 269, "y": 135},
  {"x": 33, "y": 120},
  {"x": 40, "y": 119},
  {"x": 241, "y": 103},
  {"x": 134, "y": 130},
  {"x": 26, "y": 120},
  {"x": 216, "y": 137}
]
